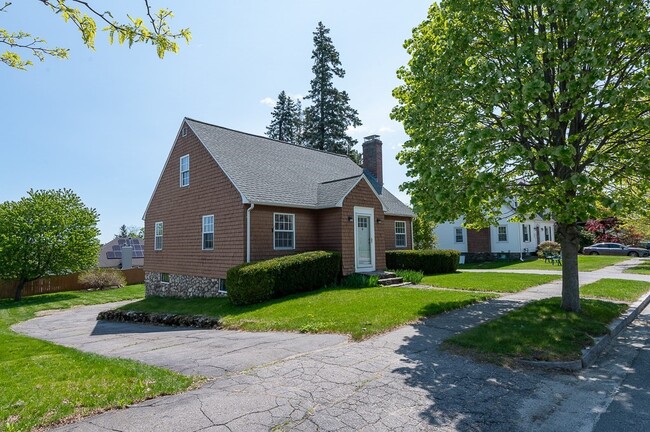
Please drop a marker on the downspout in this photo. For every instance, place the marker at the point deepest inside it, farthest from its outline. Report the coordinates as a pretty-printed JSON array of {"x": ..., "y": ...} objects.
[
  {"x": 248, "y": 232},
  {"x": 521, "y": 245}
]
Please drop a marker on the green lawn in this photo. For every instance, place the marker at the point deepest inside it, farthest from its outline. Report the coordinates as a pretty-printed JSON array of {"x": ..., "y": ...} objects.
[
  {"x": 497, "y": 282},
  {"x": 643, "y": 268},
  {"x": 42, "y": 383},
  {"x": 540, "y": 330},
  {"x": 585, "y": 263},
  {"x": 356, "y": 312},
  {"x": 616, "y": 289}
]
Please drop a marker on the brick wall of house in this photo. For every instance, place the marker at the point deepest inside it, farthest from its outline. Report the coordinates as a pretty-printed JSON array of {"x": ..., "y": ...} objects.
[
  {"x": 478, "y": 241},
  {"x": 388, "y": 225},
  {"x": 361, "y": 196},
  {"x": 262, "y": 238},
  {"x": 181, "y": 210}
]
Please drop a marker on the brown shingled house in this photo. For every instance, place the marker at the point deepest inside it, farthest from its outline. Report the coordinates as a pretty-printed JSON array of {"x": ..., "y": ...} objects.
[{"x": 226, "y": 197}]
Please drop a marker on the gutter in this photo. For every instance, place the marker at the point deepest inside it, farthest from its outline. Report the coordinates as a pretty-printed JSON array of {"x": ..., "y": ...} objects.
[{"x": 248, "y": 232}]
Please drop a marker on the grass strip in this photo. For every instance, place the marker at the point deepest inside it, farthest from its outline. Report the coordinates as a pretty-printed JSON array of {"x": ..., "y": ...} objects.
[
  {"x": 540, "y": 330},
  {"x": 615, "y": 289},
  {"x": 44, "y": 383},
  {"x": 492, "y": 282},
  {"x": 586, "y": 263},
  {"x": 643, "y": 268},
  {"x": 356, "y": 312}
]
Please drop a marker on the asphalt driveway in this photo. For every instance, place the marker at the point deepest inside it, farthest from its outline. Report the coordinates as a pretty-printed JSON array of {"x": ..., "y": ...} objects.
[
  {"x": 401, "y": 380},
  {"x": 189, "y": 351}
]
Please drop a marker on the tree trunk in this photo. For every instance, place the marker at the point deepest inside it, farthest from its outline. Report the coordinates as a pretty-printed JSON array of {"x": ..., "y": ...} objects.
[
  {"x": 569, "y": 239},
  {"x": 18, "y": 295}
]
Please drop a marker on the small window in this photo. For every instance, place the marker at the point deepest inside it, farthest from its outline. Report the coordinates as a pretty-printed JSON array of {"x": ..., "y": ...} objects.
[
  {"x": 502, "y": 234},
  {"x": 222, "y": 286},
  {"x": 184, "y": 131},
  {"x": 283, "y": 231},
  {"x": 400, "y": 234},
  {"x": 526, "y": 232},
  {"x": 208, "y": 232},
  {"x": 185, "y": 170},
  {"x": 547, "y": 233},
  {"x": 164, "y": 277},
  {"x": 459, "y": 235},
  {"x": 158, "y": 236}
]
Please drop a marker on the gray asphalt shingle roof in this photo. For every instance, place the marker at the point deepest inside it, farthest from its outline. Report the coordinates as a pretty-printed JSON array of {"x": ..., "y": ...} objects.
[{"x": 267, "y": 171}]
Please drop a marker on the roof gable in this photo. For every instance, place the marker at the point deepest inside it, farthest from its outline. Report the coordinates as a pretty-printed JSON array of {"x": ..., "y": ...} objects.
[{"x": 270, "y": 172}]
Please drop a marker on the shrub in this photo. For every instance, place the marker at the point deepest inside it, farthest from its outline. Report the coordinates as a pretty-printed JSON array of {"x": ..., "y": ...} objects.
[
  {"x": 278, "y": 277},
  {"x": 587, "y": 238},
  {"x": 102, "y": 278},
  {"x": 357, "y": 280},
  {"x": 548, "y": 247},
  {"x": 412, "y": 276},
  {"x": 431, "y": 261}
]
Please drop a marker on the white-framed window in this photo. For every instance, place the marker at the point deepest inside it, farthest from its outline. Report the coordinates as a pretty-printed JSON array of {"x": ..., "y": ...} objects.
[
  {"x": 458, "y": 235},
  {"x": 164, "y": 277},
  {"x": 208, "y": 232},
  {"x": 185, "y": 171},
  {"x": 222, "y": 286},
  {"x": 284, "y": 231},
  {"x": 158, "y": 236},
  {"x": 547, "y": 233},
  {"x": 526, "y": 232},
  {"x": 400, "y": 234},
  {"x": 502, "y": 233}
]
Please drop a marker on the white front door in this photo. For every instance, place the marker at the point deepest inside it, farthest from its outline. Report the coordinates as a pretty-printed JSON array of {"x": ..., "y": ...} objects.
[{"x": 364, "y": 239}]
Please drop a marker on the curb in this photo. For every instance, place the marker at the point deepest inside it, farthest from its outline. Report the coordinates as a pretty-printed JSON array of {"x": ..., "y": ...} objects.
[{"x": 589, "y": 355}]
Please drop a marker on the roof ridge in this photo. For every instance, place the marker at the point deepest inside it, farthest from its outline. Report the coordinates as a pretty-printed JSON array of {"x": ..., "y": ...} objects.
[
  {"x": 341, "y": 179},
  {"x": 267, "y": 138}
]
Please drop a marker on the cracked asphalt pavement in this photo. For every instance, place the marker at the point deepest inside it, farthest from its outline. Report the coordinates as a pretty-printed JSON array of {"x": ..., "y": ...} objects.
[{"x": 399, "y": 381}]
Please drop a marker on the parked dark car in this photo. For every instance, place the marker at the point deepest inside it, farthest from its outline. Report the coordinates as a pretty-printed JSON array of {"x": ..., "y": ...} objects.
[{"x": 615, "y": 249}]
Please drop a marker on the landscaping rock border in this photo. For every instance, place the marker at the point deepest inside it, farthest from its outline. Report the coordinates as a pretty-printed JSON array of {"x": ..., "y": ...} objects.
[{"x": 173, "y": 320}]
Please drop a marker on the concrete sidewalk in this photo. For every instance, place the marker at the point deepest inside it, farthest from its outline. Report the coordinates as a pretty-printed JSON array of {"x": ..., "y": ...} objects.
[{"x": 397, "y": 381}]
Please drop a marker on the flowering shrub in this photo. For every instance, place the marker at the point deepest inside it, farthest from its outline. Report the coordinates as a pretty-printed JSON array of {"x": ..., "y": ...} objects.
[{"x": 548, "y": 247}]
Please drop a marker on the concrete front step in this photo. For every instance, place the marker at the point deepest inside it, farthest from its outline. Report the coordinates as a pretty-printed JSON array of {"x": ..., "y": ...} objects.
[{"x": 390, "y": 281}]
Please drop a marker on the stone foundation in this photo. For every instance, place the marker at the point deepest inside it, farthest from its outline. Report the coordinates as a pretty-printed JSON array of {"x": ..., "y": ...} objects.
[{"x": 182, "y": 286}]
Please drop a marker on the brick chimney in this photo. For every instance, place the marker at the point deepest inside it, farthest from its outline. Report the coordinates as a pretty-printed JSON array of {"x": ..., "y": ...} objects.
[{"x": 372, "y": 157}]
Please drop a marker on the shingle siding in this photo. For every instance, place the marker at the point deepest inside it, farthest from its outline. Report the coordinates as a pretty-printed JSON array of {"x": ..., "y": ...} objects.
[
  {"x": 361, "y": 196},
  {"x": 181, "y": 210},
  {"x": 389, "y": 232},
  {"x": 262, "y": 240}
]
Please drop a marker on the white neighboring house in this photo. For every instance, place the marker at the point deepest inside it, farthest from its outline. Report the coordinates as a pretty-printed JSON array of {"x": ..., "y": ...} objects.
[{"x": 520, "y": 238}]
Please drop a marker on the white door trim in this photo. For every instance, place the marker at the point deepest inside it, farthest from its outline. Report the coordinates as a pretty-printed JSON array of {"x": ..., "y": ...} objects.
[{"x": 365, "y": 211}]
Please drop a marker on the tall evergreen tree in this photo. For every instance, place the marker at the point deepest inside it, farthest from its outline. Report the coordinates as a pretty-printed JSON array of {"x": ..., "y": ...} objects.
[
  {"x": 285, "y": 120},
  {"x": 329, "y": 116}
]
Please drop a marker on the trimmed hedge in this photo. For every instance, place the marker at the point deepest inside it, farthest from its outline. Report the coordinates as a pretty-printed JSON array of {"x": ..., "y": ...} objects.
[
  {"x": 429, "y": 262},
  {"x": 278, "y": 277}
]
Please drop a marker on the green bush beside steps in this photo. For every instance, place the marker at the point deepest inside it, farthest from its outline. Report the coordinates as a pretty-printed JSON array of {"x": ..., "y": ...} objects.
[
  {"x": 258, "y": 282},
  {"x": 429, "y": 262}
]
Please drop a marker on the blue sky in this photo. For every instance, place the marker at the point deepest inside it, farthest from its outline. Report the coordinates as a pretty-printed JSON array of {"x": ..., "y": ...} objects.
[{"x": 102, "y": 122}]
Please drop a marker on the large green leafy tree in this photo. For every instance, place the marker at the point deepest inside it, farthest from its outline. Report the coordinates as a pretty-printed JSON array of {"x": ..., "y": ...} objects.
[
  {"x": 328, "y": 118},
  {"x": 48, "y": 232},
  {"x": 286, "y": 120},
  {"x": 152, "y": 29},
  {"x": 540, "y": 102}
]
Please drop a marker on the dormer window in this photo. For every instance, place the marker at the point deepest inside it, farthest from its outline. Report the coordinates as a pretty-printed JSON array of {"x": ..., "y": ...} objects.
[{"x": 185, "y": 170}]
